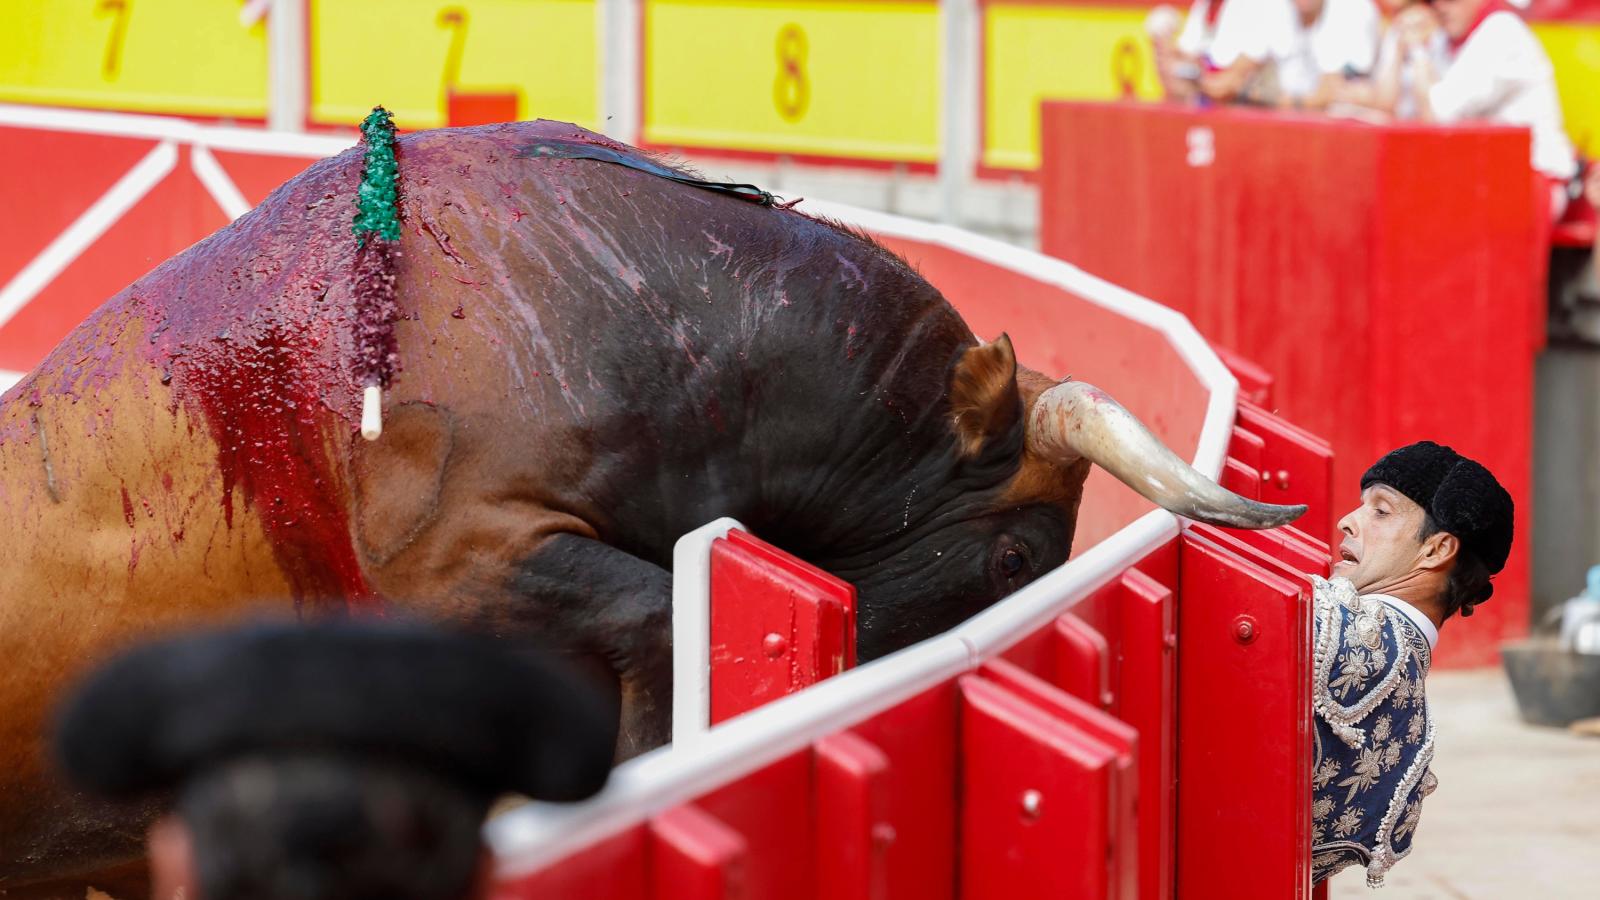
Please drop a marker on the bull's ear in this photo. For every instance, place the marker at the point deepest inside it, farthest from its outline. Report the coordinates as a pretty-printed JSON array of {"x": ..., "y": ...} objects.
[{"x": 985, "y": 405}]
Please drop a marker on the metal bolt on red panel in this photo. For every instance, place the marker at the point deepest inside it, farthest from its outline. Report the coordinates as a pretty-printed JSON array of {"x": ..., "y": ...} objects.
[
  {"x": 1244, "y": 629},
  {"x": 1032, "y": 802},
  {"x": 774, "y": 645}
]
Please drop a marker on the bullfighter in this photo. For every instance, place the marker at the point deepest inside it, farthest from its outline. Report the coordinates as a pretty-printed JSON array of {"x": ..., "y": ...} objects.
[
  {"x": 344, "y": 759},
  {"x": 1432, "y": 527}
]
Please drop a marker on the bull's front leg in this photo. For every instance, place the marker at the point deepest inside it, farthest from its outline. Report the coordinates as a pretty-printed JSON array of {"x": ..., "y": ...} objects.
[{"x": 579, "y": 594}]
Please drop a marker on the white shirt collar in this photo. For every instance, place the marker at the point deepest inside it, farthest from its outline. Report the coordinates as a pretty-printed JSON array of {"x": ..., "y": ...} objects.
[{"x": 1430, "y": 631}]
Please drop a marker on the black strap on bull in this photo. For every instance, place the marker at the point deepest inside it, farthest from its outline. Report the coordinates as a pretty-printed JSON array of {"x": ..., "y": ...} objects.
[{"x": 573, "y": 150}]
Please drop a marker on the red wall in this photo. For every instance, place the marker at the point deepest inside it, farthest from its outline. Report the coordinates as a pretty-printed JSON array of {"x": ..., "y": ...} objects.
[{"x": 1386, "y": 277}]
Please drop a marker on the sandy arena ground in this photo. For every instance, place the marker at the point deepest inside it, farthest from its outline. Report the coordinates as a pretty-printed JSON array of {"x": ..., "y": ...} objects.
[{"x": 1517, "y": 813}]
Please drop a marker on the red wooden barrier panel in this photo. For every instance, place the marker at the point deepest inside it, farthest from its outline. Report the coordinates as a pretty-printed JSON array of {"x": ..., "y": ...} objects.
[
  {"x": 918, "y": 737},
  {"x": 1121, "y": 742},
  {"x": 695, "y": 857},
  {"x": 772, "y": 810},
  {"x": 1347, "y": 260},
  {"x": 1043, "y": 799},
  {"x": 1148, "y": 696},
  {"x": 1119, "y": 752},
  {"x": 1083, "y": 661},
  {"x": 1255, "y": 383},
  {"x": 1130, "y": 623},
  {"x": 1244, "y": 726},
  {"x": 610, "y": 869},
  {"x": 777, "y": 624},
  {"x": 853, "y": 812},
  {"x": 1295, "y": 466}
]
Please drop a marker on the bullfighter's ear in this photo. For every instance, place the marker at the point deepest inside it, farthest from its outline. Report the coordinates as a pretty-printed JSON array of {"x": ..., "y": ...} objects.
[{"x": 985, "y": 404}]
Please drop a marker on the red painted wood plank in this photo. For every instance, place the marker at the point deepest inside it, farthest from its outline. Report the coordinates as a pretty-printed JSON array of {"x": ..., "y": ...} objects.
[
  {"x": 919, "y": 738},
  {"x": 772, "y": 810},
  {"x": 1147, "y": 700},
  {"x": 1120, "y": 737},
  {"x": 777, "y": 625},
  {"x": 1036, "y": 801},
  {"x": 611, "y": 869},
  {"x": 693, "y": 856},
  {"x": 1082, "y": 661},
  {"x": 854, "y": 831},
  {"x": 1244, "y": 729}
]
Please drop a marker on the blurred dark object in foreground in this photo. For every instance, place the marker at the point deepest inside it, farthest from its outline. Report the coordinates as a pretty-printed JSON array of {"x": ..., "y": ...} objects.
[{"x": 332, "y": 762}]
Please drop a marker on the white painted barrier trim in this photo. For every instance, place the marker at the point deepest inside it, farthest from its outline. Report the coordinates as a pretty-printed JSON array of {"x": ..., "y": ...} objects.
[
  {"x": 9, "y": 378},
  {"x": 217, "y": 183},
  {"x": 161, "y": 128},
  {"x": 531, "y": 838},
  {"x": 691, "y": 631},
  {"x": 86, "y": 229}
]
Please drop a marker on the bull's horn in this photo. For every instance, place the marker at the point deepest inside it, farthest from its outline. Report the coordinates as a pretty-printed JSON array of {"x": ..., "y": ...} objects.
[{"x": 1073, "y": 421}]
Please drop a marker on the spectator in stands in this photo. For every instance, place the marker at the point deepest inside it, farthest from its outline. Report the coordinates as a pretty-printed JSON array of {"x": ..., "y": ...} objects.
[
  {"x": 1388, "y": 91},
  {"x": 332, "y": 762},
  {"x": 1432, "y": 527},
  {"x": 1285, "y": 53},
  {"x": 1328, "y": 43},
  {"x": 1494, "y": 70},
  {"x": 1221, "y": 50}
]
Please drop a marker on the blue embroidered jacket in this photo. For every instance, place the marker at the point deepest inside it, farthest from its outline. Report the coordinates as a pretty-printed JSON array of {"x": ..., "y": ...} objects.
[{"x": 1374, "y": 739}]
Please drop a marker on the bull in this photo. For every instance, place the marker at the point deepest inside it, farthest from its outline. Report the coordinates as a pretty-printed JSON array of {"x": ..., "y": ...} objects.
[{"x": 592, "y": 361}]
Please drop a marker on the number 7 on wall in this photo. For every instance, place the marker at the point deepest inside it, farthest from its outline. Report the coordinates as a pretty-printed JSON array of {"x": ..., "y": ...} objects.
[{"x": 119, "y": 31}]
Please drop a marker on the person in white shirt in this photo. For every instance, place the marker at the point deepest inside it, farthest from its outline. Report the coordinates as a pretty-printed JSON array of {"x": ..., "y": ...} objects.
[
  {"x": 1495, "y": 71},
  {"x": 1222, "y": 47},
  {"x": 1328, "y": 42},
  {"x": 1388, "y": 91},
  {"x": 1286, "y": 53}
]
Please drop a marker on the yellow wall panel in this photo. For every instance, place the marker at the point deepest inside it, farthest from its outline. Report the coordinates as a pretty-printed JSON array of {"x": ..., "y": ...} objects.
[
  {"x": 1034, "y": 52},
  {"x": 401, "y": 53},
  {"x": 855, "y": 80},
  {"x": 1574, "y": 49},
  {"x": 189, "y": 57}
]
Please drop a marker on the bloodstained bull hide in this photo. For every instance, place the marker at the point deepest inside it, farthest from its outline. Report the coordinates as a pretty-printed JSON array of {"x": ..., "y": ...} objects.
[{"x": 591, "y": 361}]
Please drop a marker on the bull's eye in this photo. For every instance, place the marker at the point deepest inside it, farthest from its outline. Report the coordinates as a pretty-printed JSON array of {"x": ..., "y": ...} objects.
[{"x": 1011, "y": 562}]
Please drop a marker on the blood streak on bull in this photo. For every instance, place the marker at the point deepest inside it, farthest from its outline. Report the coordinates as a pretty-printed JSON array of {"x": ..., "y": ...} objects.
[{"x": 540, "y": 455}]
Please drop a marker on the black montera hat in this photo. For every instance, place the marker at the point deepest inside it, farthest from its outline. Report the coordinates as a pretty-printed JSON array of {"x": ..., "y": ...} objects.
[
  {"x": 1462, "y": 496},
  {"x": 486, "y": 716}
]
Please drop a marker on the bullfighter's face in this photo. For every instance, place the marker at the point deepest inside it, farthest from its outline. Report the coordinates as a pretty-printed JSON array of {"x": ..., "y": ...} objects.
[{"x": 1381, "y": 546}]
